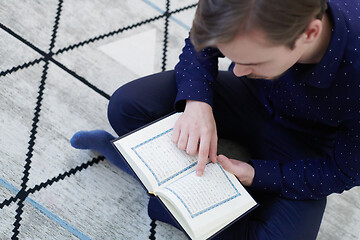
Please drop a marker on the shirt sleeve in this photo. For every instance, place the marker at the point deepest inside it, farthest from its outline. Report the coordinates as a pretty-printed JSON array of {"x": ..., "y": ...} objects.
[
  {"x": 195, "y": 73},
  {"x": 314, "y": 178}
]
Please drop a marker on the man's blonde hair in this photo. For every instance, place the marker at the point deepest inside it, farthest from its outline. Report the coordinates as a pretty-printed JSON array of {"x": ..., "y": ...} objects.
[{"x": 283, "y": 21}]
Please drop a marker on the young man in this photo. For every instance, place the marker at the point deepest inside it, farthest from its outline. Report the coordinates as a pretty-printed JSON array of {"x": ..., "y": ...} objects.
[{"x": 292, "y": 98}]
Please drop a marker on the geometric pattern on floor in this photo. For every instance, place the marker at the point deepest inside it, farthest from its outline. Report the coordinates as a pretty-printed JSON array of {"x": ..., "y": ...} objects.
[
  {"x": 42, "y": 60},
  {"x": 55, "y": 80}
]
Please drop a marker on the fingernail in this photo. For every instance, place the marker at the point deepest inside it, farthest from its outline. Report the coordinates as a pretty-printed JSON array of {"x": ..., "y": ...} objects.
[{"x": 198, "y": 172}]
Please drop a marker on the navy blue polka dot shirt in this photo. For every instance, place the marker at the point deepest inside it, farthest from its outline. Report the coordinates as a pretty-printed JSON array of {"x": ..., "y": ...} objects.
[{"x": 326, "y": 96}]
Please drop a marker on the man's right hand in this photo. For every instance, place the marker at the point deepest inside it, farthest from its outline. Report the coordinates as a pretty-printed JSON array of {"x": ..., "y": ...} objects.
[{"x": 195, "y": 132}]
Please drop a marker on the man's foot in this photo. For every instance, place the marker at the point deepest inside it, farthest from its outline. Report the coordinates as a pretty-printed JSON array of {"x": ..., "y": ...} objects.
[
  {"x": 100, "y": 141},
  {"x": 95, "y": 140}
]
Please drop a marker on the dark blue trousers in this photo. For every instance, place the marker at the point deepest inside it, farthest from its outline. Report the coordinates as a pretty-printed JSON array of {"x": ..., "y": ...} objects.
[{"x": 241, "y": 117}]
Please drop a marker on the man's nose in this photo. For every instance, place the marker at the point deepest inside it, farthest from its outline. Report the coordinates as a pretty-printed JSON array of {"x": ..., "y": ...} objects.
[{"x": 240, "y": 71}]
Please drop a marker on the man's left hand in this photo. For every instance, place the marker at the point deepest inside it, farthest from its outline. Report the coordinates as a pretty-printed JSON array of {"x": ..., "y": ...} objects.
[{"x": 242, "y": 170}]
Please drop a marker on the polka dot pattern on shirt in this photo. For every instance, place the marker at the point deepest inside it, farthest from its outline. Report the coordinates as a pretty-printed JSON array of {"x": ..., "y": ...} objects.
[{"x": 316, "y": 99}]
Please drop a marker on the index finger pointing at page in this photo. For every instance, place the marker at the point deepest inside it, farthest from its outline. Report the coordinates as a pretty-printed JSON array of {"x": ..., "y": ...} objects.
[{"x": 203, "y": 155}]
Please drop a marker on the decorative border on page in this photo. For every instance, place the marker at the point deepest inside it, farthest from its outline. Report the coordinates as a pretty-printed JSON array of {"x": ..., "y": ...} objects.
[
  {"x": 150, "y": 169},
  {"x": 211, "y": 207}
]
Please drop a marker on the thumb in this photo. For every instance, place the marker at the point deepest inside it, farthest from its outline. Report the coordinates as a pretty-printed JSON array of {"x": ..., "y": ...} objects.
[{"x": 225, "y": 163}]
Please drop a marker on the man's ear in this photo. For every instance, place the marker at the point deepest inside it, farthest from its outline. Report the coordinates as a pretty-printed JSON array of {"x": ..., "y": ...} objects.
[{"x": 313, "y": 31}]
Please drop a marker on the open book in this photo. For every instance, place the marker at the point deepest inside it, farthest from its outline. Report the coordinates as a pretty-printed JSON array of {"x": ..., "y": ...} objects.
[{"x": 201, "y": 205}]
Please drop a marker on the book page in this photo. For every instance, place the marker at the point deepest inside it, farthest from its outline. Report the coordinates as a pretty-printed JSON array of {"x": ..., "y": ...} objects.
[
  {"x": 201, "y": 194},
  {"x": 162, "y": 157},
  {"x": 207, "y": 203},
  {"x": 153, "y": 156}
]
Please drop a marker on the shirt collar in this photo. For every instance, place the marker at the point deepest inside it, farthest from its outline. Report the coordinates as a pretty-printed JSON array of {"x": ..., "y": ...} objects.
[{"x": 324, "y": 72}]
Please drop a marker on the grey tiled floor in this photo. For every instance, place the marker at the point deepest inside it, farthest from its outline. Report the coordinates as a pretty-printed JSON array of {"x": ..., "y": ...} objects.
[{"x": 45, "y": 99}]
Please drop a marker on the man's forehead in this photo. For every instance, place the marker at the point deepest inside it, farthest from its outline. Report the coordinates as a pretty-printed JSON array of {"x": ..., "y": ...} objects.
[
  {"x": 249, "y": 41},
  {"x": 246, "y": 51}
]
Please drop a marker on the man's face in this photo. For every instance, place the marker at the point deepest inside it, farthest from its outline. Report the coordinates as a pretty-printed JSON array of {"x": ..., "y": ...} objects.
[{"x": 255, "y": 57}]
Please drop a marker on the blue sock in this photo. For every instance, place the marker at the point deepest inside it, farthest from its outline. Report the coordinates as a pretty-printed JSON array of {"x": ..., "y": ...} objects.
[{"x": 100, "y": 141}]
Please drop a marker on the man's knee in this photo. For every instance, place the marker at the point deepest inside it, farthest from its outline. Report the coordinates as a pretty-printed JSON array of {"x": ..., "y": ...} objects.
[
  {"x": 123, "y": 105},
  {"x": 142, "y": 101},
  {"x": 121, "y": 101}
]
